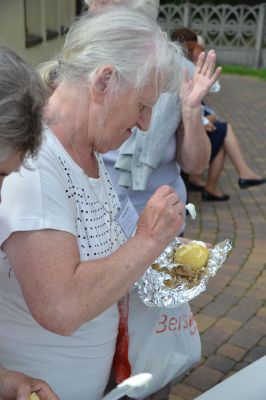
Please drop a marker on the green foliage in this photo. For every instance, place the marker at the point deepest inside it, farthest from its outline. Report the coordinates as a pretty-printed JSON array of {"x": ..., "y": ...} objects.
[{"x": 239, "y": 70}]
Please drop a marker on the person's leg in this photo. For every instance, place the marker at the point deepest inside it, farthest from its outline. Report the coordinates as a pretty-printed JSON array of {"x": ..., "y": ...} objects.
[
  {"x": 214, "y": 173},
  {"x": 235, "y": 154},
  {"x": 197, "y": 180}
]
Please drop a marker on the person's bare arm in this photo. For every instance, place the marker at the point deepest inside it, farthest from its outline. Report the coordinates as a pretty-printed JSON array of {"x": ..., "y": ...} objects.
[
  {"x": 193, "y": 145},
  {"x": 61, "y": 292}
]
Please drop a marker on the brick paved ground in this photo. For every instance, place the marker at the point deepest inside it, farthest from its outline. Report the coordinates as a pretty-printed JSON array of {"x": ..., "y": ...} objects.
[{"x": 231, "y": 314}]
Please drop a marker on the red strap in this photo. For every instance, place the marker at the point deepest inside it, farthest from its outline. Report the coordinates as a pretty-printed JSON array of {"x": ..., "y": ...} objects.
[{"x": 121, "y": 366}]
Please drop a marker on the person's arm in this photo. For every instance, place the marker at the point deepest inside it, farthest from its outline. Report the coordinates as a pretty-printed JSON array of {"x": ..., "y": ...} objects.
[
  {"x": 193, "y": 145},
  {"x": 17, "y": 386},
  {"x": 61, "y": 292}
]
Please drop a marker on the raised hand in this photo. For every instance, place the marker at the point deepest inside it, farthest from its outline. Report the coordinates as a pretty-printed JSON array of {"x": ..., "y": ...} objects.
[{"x": 205, "y": 75}]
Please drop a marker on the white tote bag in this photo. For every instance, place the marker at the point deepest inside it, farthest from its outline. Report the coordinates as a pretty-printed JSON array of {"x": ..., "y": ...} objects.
[{"x": 164, "y": 342}]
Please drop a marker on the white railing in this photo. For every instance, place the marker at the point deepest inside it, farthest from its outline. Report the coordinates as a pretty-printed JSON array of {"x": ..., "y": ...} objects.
[{"x": 238, "y": 33}]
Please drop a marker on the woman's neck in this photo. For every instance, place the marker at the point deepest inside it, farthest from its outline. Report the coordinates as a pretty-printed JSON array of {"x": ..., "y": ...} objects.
[{"x": 66, "y": 115}]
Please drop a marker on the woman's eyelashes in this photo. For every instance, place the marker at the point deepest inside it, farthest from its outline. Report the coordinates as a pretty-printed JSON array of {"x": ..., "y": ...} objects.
[{"x": 142, "y": 108}]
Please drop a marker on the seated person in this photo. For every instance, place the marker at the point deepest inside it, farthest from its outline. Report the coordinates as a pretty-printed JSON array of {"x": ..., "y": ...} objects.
[{"x": 223, "y": 140}]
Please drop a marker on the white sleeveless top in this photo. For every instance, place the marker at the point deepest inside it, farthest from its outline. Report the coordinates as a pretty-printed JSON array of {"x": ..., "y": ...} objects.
[{"x": 58, "y": 195}]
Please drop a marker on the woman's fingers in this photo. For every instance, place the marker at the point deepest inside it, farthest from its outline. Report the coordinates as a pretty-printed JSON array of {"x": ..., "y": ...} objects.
[
  {"x": 163, "y": 216},
  {"x": 200, "y": 62},
  {"x": 216, "y": 75},
  {"x": 24, "y": 391},
  {"x": 206, "y": 65}
]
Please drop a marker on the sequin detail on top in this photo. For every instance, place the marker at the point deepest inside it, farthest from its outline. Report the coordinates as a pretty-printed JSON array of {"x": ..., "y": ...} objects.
[{"x": 98, "y": 233}]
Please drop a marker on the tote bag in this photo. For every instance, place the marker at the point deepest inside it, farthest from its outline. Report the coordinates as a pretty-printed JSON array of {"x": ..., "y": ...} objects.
[{"x": 164, "y": 342}]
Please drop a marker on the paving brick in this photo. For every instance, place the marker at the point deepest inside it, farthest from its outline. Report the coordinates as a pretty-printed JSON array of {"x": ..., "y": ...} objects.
[
  {"x": 245, "y": 338},
  {"x": 219, "y": 280},
  {"x": 259, "y": 258},
  {"x": 255, "y": 353},
  {"x": 257, "y": 324},
  {"x": 241, "y": 365},
  {"x": 258, "y": 285},
  {"x": 241, "y": 313},
  {"x": 250, "y": 266},
  {"x": 223, "y": 364},
  {"x": 257, "y": 293},
  {"x": 195, "y": 310},
  {"x": 216, "y": 335},
  {"x": 215, "y": 309},
  {"x": 227, "y": 299},
  {"x": 185, "y": 391},
  {"x": 202, "y": 300},
  {"x": 245, "y": 274},
  {"x": 230, "y": 373},
  {"x": 251, "y": 302},
  {"x": 174, "y": 397},
  {"x": 262, "y": 279},
  {"x": 230, "y": 324},
  {"x": 238, "y": 285},
  {"x": 204, "y": 322},
  {"x": 230, "y": 270},
  {"x": 207, "y": 349},
  {"x": 254, "y": 272},
  {"x": 235, "y": 291},
  {"x": 203, "y": 378},
  {"x": 263, "y": 342},
  {"x": 214, "y": 290},
  {"x": 231, "y": 351},
  {"x": 238, "y": 258}
]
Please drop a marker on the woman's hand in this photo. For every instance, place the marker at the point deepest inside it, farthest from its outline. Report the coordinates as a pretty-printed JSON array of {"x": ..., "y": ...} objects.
[
  {"x": 162, "y": 217},
  {"x": 210, "y": 127},
  {"x": 211, "y": 117},
  {"x": 17, "y": 386},
  {"x": 194, "y": 89}
]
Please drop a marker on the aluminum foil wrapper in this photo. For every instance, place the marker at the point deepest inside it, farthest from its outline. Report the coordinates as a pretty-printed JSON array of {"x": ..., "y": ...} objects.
[{"x": 154, "y": 293}]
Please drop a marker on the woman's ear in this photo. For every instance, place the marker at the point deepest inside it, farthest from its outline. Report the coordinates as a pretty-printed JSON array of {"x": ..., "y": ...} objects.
[{"x": 101, "y": 82}]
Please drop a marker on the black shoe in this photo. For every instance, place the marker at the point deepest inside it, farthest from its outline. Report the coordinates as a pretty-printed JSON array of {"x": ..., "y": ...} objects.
[
  {"x": 245, "y": 183},
  {"x": 207, "y": 196},
  {"x": 193, "y": 187}
]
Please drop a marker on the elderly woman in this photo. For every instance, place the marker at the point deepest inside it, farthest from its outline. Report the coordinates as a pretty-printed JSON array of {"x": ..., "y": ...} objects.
[
  {"x": 22, "y": 98},
  {"x": 66, "y": 261}
]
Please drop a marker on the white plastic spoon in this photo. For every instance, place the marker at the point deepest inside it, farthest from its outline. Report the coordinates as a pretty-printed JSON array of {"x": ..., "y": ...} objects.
[
  {"x": 192, "y": 210},
  {"x": 128, "y": 385}
]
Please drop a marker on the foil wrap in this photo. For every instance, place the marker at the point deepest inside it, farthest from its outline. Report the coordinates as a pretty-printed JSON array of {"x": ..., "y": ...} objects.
[{"x": 154, "y": 293}]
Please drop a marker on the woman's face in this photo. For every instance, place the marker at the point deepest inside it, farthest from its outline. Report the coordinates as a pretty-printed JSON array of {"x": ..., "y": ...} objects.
[
  {"x": 8, "y": 166},
  {"x": 125, "y": 111}
]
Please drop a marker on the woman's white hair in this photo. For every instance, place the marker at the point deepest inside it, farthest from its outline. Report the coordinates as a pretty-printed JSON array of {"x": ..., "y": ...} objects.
[
  {"x": 22, "y": 99},
  {"x": 128, "y": 40},
  {"x": 150, "y": 7}
]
